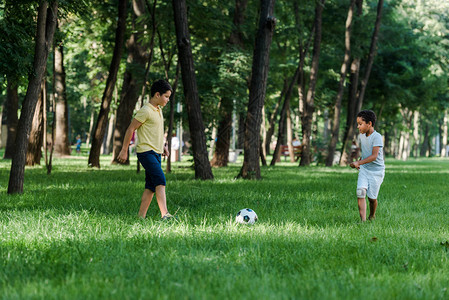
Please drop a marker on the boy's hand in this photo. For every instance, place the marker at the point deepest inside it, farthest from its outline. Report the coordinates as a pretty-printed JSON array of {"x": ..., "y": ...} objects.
[
  {"x": 166, "y": 152},
  {"x": 122, "y": 156},
  {"x": 355, "y": 165}
]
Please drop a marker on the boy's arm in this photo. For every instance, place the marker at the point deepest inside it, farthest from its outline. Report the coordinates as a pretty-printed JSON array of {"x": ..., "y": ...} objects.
[
  {"x": 369, "y": 159},
  {"x": 123, "y": 155}
]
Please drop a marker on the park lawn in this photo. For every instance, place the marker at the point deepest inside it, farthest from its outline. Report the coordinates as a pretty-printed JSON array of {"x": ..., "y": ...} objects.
[{"x": 75, "y": 235}]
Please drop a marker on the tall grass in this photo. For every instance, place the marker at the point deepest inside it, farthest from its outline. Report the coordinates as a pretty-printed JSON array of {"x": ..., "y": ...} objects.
[{"x": 75, "y": 234}]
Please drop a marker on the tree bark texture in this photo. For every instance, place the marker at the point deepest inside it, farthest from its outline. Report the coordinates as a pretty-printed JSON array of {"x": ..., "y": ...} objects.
[
  {"x": 61, "y": 142},
  {"x": 259, "y": 75},
  {"x": 341, "y": 87},
  {"x": 132, "y": 81},
  {"x": 34, "y": 153},
  {"x": 46, "y": 24},
  {"x": 309, "y": 108},
  {"x": 11, "y": 108},
  {"x": 102, "y": 121},
  {"x": 200, "y": 156}
]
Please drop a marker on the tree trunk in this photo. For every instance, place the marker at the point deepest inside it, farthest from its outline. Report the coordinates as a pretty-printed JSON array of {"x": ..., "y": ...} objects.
[
  {"x": 281, "y": 127},
  {"x": 272, "y": 123},
  {"x": 11, "y": 108},
  {"x": 102, "y": 121},
  {"x": 444, "y": 135},
  {"x": 341, "y": 88},
  {"x": 46, "y": 24},
  {"x": 351, "y": 113},
  {"x": 309, "y": 108},
  {"x": 291, "y": 151},
  {"x": 221, "y": 154},
  {"x": 222, "y": 146},
  {"x": 61, "y": 142},
  {"x": 364, "y": 82},
  {"x": 200, "y": 156},
  {"x": 259, "y": 75},
  {"x": 416, "y": 133},
  {"x": 34, "y": 153},
  {"x": 172, "y": 115},
  {"x": 133, "y": 78}
]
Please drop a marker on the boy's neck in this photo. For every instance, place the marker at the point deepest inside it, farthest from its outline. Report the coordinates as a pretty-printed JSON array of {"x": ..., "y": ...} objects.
[
  {"x": 370, "y": 131},
  {"x": 153, "y": 102}
]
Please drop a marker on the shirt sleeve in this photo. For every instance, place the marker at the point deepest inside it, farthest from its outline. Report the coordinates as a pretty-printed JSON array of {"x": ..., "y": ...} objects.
[
  {"x": 377, "y": 141},
  {"x": 141, "y": 115}
]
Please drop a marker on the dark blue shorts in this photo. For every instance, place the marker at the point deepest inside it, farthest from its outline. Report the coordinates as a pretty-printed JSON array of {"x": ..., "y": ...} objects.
[{"x": 154, "y": 175}]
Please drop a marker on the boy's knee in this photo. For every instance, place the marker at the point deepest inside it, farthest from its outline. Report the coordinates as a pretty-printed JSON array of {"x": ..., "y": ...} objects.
[
  {"x": 361, "y": 192},
  {"x": 372, "y": 200}
]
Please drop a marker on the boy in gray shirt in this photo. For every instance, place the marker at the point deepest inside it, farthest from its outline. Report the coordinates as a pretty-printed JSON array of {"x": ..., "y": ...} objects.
[{"x": 371, "y": 165}]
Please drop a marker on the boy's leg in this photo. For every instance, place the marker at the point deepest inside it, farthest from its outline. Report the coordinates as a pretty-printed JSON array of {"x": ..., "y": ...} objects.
[
  {"x": 161, "y": 199},
  {"x": 147, "y": 196},
  {"x": 372, "y": 208},
  {"x": 362, "y": 208}
]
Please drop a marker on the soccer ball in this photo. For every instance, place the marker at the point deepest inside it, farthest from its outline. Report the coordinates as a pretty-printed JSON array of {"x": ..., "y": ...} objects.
[{"x": 246, "y": 216}]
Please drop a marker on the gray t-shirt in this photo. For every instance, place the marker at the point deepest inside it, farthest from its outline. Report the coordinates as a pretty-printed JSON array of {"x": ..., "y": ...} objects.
[{"x": 366, "y": 144}]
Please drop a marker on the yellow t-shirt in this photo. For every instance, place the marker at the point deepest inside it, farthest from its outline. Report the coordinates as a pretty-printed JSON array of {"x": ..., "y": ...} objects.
[{"x": 150, "y": 135}]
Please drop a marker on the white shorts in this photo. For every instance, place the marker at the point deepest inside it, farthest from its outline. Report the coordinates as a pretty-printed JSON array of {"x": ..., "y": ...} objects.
[{"x": 371, "y": 182}]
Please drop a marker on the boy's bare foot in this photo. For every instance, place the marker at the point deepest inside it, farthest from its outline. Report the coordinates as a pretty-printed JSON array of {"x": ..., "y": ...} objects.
[{"x": 371, "y": 218}]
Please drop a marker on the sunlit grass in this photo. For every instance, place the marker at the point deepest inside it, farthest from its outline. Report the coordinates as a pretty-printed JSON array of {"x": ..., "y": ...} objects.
[{"x": 75, "y": 234}]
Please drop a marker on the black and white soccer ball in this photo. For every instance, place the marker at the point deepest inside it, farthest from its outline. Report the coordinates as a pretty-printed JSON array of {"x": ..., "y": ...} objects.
[{"x": 246, "y": 216}]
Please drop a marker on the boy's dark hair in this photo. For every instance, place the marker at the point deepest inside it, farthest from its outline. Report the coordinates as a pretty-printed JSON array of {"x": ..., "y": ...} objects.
[
  {"x": 160, "y": 86},
  {"x": 367, "y": 116}
]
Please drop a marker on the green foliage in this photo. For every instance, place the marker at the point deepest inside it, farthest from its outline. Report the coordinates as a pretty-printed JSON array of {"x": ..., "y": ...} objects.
[{"x": 75, "y": 234}]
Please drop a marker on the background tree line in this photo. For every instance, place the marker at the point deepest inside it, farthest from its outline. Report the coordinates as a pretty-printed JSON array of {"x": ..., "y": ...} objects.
[{"x": 273, "y": 70}]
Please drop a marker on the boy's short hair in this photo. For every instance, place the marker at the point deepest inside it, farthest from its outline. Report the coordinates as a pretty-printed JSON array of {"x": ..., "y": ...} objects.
[
  {"x": 160, "y": 86},
  {"x": 367, "y": 116}
]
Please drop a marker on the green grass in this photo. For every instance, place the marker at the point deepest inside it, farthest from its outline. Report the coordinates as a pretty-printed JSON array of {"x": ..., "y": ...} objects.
[{"x": 75, "y": 235}]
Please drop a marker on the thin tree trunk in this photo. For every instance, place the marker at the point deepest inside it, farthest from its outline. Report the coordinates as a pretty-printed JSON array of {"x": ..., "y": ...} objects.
[
  {"x": 46, "y": 24},
  {"x": 272, "y": 123},
  {"x": 444, "y": 135},
  {"x": 102, "y": 121},
  {"x": 341, "y": 87},
  {"x": 172, "y": 115},
  {"x": 11, "y": 108},
  {"x": 364, "y": 82},
  {"x": 133, "y": 78},
  {"x": 351, "y": 113},
  {"x": 61, "y": 143},
  {"x": 416, "y": 133},
  {"x": 309, "y": 108},
  {"x": 285, "y": 107},
  {"x": 259, "y": 75},
  {"x": 201, "y": 160},
  {"x": 290, "y": 135}
]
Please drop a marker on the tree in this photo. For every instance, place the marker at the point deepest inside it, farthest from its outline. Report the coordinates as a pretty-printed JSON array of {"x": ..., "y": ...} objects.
[
  {"x": 200, "y": 156},
  {"x": 257, "y": 90},
  {"x": 235, "y": 42},
  {"x": 358, "y": 97},
  {"x": 341, "y": 86},
  {"x": 133, "y": 78},
  {"x": 309, "y": 104},
  {"x": 61, "y": 143},
  {"x": 102, "y": 120},
  {"x": 46, "y": 24}
]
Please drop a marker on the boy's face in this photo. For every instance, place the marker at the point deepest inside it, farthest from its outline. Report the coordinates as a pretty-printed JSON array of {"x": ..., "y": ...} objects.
[
  {"x": 362, "y": 125},
  {"x": 162, "y": 99}
]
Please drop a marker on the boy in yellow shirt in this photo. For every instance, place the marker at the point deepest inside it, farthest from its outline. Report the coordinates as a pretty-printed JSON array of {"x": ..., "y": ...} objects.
[{"x": 149, "y": 124}]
